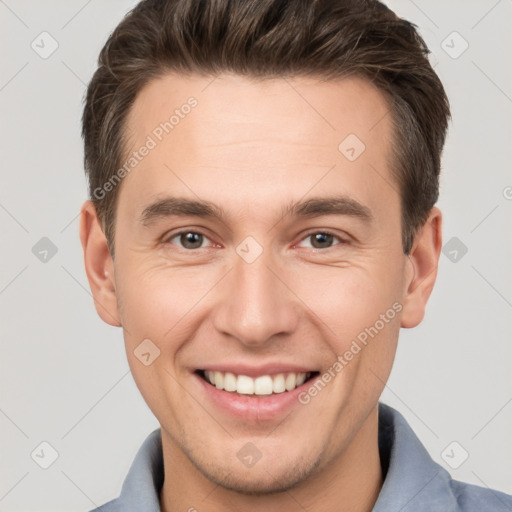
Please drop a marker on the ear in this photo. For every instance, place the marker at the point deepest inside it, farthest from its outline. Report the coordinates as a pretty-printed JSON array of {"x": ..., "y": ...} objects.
[
  {"x": 423, "y": 259},
  {"x": 99, "y": 265}
]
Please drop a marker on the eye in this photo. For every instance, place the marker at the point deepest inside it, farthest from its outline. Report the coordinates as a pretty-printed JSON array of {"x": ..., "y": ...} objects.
[
  {"x": 191, "y": 240},
  {"x": 188, "y": 239},
  {"x": 322, "y": 239}
]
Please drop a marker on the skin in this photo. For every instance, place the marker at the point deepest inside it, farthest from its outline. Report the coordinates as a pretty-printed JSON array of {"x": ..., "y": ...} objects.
[{"x": 251, "y": 147}]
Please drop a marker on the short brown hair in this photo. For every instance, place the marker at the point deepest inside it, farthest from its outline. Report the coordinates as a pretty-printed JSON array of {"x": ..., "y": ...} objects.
[{"x": 269, "y": 39}]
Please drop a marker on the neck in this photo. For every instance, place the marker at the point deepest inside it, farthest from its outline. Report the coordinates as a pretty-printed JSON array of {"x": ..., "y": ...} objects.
[{"x": 351, "y": 481}]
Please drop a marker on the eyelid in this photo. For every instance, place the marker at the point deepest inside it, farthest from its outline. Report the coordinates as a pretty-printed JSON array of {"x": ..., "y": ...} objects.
[
  {"x": 173, "y": 234},
  {"x": 166, "y": 239},
  {"x": 343, "y": 240}
]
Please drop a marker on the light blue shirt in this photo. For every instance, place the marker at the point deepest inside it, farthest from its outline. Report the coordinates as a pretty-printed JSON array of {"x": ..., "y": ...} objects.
[{"x": 413, "y": 481}]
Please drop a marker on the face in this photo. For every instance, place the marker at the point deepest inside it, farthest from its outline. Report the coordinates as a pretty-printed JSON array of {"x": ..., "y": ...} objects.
[{"x": 258, "y": 244}]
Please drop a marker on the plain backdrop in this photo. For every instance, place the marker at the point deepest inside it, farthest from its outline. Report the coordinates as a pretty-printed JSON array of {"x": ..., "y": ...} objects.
[{"x": 64, "y": 377}]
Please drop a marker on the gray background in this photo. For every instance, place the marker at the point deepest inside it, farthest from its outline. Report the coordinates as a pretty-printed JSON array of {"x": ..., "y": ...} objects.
[{"x": 64, "y": 375}]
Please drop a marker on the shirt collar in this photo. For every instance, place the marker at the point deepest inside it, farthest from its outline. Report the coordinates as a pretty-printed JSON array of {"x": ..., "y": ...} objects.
[
  {"x": 413, "y": 481},
  {"x": 141, "y": 488}
]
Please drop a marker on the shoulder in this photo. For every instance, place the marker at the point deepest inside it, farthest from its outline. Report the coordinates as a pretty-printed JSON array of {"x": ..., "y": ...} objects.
[
  {"x": 111, "y": 506},
  {"x": 415, "y": 482},
  {"x": 141, "y": 487},
  {"x": 473, "y": 498}
]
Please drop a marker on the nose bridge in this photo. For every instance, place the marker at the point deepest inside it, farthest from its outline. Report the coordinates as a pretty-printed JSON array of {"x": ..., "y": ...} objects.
[{"x": 256, "y": 305}]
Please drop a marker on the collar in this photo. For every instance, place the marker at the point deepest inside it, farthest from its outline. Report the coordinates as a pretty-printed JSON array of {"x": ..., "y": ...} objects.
[{"x": 413, "y": 481}]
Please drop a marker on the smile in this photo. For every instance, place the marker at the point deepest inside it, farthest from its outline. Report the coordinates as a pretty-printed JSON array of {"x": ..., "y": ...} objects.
[{"x": 262, "y": 385}]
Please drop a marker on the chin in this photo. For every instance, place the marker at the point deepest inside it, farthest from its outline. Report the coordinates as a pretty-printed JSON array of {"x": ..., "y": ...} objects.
[{"x": 266, "y": 479}]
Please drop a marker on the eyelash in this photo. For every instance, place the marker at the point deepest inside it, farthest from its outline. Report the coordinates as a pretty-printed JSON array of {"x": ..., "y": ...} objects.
[
  {"x": 308, "y": 235},
  {"x": 342, "y": 241}
]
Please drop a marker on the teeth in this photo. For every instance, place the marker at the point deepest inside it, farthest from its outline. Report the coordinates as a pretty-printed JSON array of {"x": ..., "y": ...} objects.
[
  {"x": 301, "y": 378},
  {"x": 278, "y": 383},
  {"x": 229, "y": 382},
  {"x": 291, "y": 380},
  {"x": 263, "y": 385},
  {"x": 245, "y": 385}
]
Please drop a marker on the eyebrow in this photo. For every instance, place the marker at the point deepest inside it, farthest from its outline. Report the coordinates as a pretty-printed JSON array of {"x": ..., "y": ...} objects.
[{"x": 314, "y": 207}]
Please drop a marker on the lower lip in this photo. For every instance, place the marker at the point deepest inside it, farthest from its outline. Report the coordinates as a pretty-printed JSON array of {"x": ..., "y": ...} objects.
[{"x": 253, "y": 407}]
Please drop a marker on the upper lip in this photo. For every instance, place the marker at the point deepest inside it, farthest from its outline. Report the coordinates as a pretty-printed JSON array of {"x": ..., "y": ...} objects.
[{"x": 256, "y": 371}]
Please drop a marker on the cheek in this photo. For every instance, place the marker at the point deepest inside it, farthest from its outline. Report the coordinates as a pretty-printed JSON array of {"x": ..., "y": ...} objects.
[
  {"x": 349, "y": 300},
  {"x": 155, "y": 301},
  {"x": 153, "y": 305},
  {"x": 359, "y": 311},
  {"x": 155, "y": 318}
]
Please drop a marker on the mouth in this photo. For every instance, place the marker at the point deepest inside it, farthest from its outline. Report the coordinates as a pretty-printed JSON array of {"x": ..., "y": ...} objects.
[{"x": 260, "y": 386}]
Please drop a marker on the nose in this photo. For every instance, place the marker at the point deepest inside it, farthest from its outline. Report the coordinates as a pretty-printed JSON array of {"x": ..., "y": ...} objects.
[{"x": 256, "y": 303}]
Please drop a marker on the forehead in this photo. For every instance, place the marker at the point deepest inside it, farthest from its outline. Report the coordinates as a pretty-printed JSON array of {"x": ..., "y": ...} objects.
[
  {"x": 259, "y": 105},
  {"x": 278, "y": 136}
]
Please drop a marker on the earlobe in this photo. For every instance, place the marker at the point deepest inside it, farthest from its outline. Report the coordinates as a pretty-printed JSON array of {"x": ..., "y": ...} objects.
[
  {"x": 99, "y": 266},
  {"x": 423, "y": 261}
]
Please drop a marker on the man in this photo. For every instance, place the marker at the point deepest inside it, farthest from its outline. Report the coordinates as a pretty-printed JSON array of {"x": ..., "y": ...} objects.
[{"x": 263, "y": 179}]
